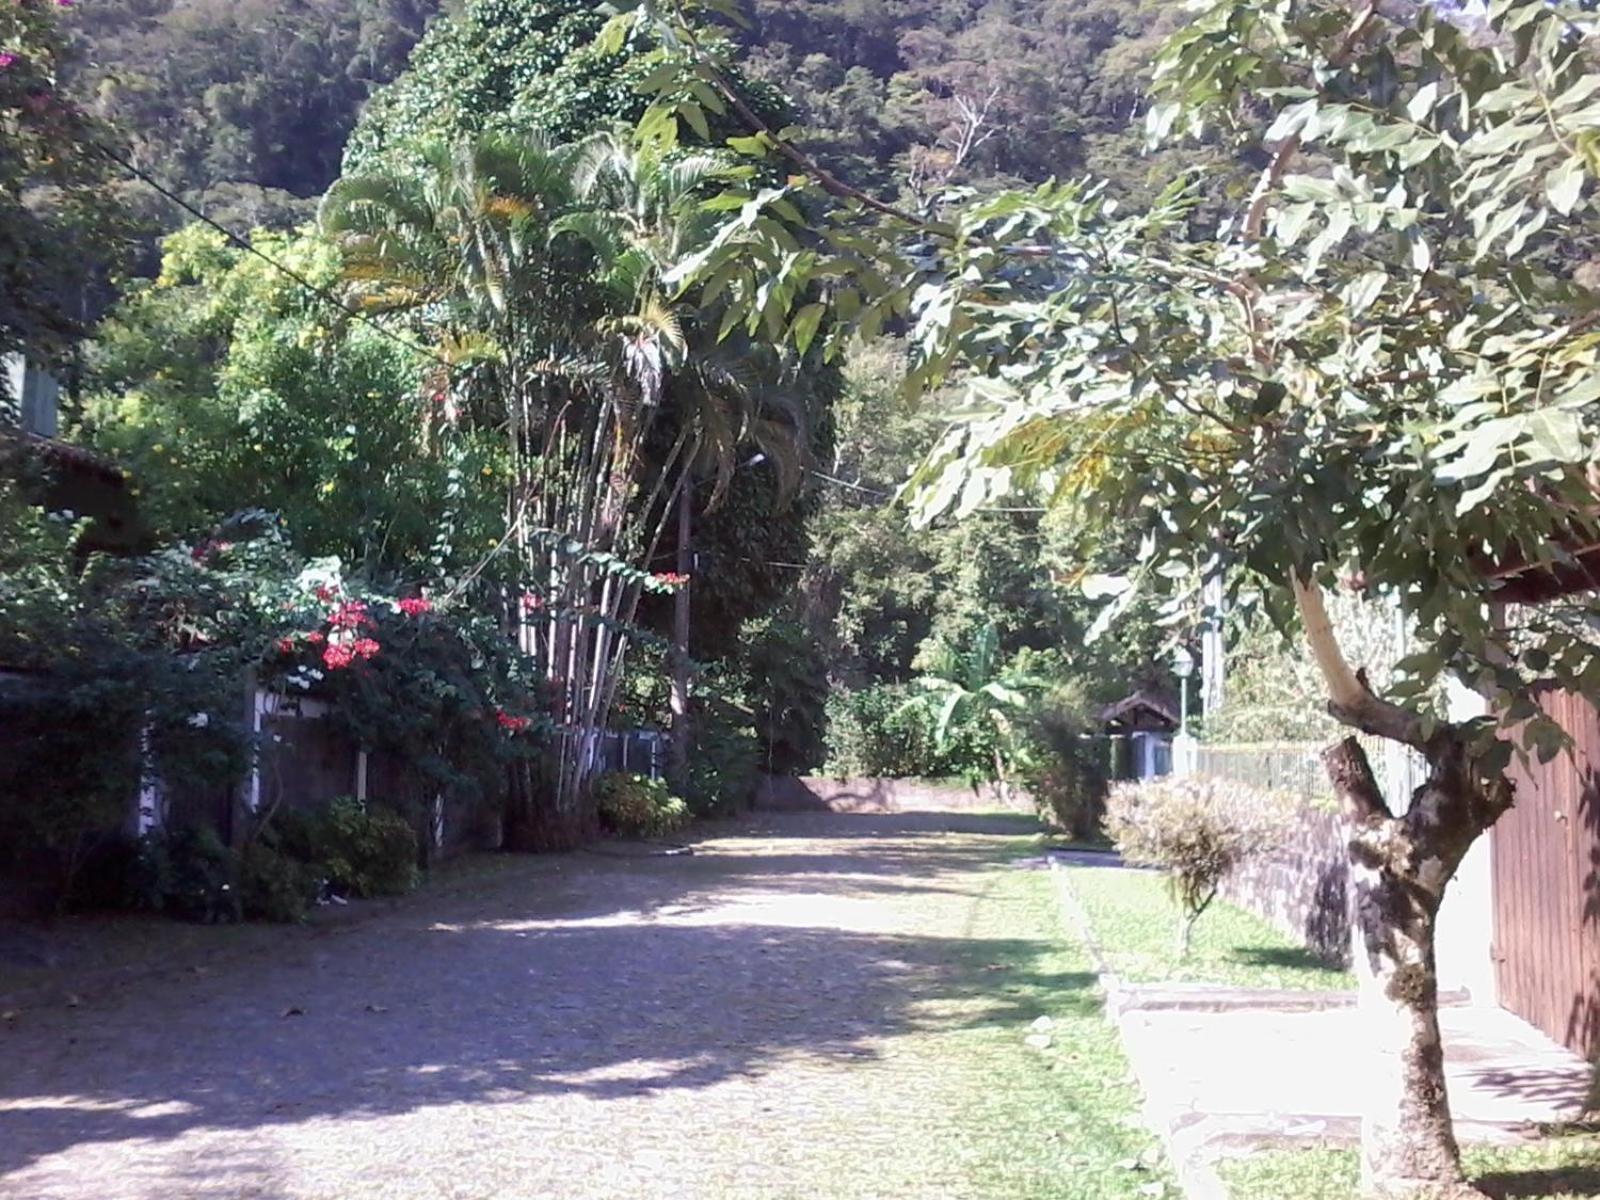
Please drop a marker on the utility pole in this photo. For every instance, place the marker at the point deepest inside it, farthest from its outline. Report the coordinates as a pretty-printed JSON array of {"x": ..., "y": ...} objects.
[{"x": 678, "y": 749}]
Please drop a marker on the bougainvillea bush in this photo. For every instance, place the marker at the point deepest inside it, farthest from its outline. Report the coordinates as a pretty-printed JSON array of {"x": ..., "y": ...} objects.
[
  {"x": 638, "y": 806},
  {"x": 136, "y": 667}
]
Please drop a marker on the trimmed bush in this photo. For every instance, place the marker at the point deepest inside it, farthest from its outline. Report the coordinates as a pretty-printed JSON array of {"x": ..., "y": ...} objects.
[
  {"x": 1196, "y": 829},
  {"x": 274, "y": 886},
  {"x": 365, "y": 849},
  {"x": 637, "y": 806}
]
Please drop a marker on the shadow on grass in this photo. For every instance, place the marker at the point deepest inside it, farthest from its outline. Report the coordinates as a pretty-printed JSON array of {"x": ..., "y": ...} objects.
[
  {"x": 1534, "y": 1185},
  {"x": 1283, "y": 958}
]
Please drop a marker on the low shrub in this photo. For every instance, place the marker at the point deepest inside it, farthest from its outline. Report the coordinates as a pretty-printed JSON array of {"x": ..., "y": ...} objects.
[
  {"x": 1196, "y": 829},
  {"x": 638, "y": 806},
  {"x": 184, "y": 872},
  {"x": 365, "y": 849},
  {"x": 274, "y": 886},
  {"x": 1070, "y": 793}
]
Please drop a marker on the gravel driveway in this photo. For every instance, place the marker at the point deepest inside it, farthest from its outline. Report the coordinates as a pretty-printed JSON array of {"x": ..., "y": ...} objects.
[{"x": 762, "y": 1019}]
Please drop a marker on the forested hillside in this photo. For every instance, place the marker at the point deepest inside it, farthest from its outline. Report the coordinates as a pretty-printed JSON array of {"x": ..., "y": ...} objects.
[
  {"x": 246, "y": 103},
  {"x": 250, "y": 103},
  {"x": 207, "y": 383}
]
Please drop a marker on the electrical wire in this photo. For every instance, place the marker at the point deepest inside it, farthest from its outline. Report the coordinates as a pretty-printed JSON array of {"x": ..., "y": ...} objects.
[{"x": 244, "y": 243}]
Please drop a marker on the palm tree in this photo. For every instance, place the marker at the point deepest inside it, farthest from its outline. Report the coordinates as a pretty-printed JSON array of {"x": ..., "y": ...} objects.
[
  {"x": 726, "y": 396},
  {"x": 973, "y": 684},
  {"x": 538, "y": 270},
  {"x": 490, "y": 249}
]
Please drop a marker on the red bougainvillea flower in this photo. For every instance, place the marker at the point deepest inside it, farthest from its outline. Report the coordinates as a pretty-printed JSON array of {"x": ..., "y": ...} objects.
[
  {"x": 316, "y": 637},
  {"x": 337, "y": 657},
  {"x": 285, "y": 645},
  {"x": 415, "y": 606},
  {"x": 671, "y": 578},
  {"x": 365, "y": 647},
  {"x": 531, "y": 602},
  {"x": 326, "y": 592},
  {"x": 510, "y": 723},
  {"x": 352, "y": 614}
]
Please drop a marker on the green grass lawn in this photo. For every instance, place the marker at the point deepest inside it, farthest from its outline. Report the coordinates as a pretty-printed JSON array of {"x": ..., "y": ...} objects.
[
  {"x": 1135, "y": 922},
  {"x": 1560, "y": 1167},
  {"x": 1056, "y": 1121}
]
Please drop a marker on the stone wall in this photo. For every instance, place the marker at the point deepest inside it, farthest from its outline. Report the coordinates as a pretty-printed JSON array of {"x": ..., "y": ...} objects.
[
  {"x": 1303, "y": 887},
  {"x": 817, "y": 793}
]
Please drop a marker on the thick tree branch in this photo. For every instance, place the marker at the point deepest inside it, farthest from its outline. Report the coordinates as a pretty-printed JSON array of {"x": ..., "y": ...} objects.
[
  {"x": 1353, "y": 781},
  {"x": 1350, "y": 700}
]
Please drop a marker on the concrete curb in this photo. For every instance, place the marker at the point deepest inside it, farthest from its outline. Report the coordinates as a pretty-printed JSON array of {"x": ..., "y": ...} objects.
[{"x": 1196, "y": 1176}]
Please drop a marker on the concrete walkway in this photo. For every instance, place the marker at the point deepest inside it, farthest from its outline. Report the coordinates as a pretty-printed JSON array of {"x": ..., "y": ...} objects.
[
  {"x": 1226, "y": 1070},
  {"x": 1218, "y": 1082}
]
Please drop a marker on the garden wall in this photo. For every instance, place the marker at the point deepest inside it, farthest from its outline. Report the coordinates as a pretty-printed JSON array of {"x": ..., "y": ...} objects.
[
  {"x": 1303, "y": 887},
  {"x": 817, "y": 793}
]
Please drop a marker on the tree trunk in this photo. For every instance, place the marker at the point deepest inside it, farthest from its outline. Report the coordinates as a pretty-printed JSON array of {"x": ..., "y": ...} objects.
[
  {"x": 678, "y": 746},
  {"x": 1399, "y": 868},
  {"x": 1408, "y": 1143}
]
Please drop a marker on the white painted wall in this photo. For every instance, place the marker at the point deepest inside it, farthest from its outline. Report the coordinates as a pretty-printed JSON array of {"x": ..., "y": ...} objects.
[{"x": 1465, "y": 936}]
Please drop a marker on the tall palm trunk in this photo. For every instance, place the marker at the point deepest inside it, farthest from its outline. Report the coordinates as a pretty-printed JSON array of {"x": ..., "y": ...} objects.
[{"x": 678, "y": 747}]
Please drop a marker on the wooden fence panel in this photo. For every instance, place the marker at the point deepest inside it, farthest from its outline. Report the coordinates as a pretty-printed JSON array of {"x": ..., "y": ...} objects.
[{"x": 1547, "y": 886}]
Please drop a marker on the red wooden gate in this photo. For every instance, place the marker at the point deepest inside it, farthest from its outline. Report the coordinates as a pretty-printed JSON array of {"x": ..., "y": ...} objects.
[{"x": 1547, "y": 885}]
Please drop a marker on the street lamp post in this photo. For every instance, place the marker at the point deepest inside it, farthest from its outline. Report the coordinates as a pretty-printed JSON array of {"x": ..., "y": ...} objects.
[
  {"x": 1183, "y": 749},
  {"x": 1183, "y": 667}
]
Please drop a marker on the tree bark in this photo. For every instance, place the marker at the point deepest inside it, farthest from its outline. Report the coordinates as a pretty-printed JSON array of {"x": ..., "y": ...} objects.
[
  {"x": 1408, "y": 1144},
  {"x": 1400, "y": 866},
  {"x": 678, "y": 745}
]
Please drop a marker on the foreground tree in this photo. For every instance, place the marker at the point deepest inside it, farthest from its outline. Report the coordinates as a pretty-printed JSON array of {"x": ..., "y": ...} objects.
[
  {"x": 1382, "y": 372},
  {"x": 1381, "y": 369}
]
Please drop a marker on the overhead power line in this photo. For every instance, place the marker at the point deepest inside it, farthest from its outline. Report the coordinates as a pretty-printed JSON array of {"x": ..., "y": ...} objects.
[{"x": 245, "y": 244}]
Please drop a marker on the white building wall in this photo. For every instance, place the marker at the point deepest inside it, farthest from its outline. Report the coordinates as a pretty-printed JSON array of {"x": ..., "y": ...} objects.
[{"x": 1465, "y": 935}]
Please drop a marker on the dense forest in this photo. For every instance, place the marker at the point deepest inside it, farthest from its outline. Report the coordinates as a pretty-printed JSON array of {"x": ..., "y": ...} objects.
[
  {"x": 250, "y": 104},
  {"x": 250, "y": 111}
]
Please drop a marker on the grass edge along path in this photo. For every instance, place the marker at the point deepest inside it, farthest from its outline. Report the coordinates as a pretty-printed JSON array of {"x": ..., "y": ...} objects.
[
  {"x": 1056, "y": 1105},
  {"x": 1135, "y": 923},
  {"x": 1562, "y": 1166}
]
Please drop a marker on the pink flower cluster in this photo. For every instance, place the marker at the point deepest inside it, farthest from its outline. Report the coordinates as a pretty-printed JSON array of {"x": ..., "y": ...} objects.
[
  {"x": 532, "y": 602},
  {"x": 671, "y": 578},
  {"x": 511, "y": 724},
  {"x": 339, "y": 655},
  {"x": 415, "y": 606},
  {"x": 350, "y": 615}
]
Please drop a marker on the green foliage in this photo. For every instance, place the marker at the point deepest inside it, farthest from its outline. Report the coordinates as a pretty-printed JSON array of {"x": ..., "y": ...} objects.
[
  {"x": 361, "y": 849},
  {"x": 186, "y": 873},
  {"x": 222, "y": 384},
  {"x": 724, "y": 755},
  {"x": 1196, "y": 830},
  {"x": 515, "y": 66},
  {"x": 885, "y": 731},
  {"x": 273, "y": 885},
  {"x": 1065, "y": 762},
  {"x": 925, "y": 94},
  {"x": 59, "y": 220},
  {"x": 638, "y": 806},
  {"x": 118, "y": 654},
  {"x": 785, "y": 678},
  {"x": 229, "y": 99}
]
